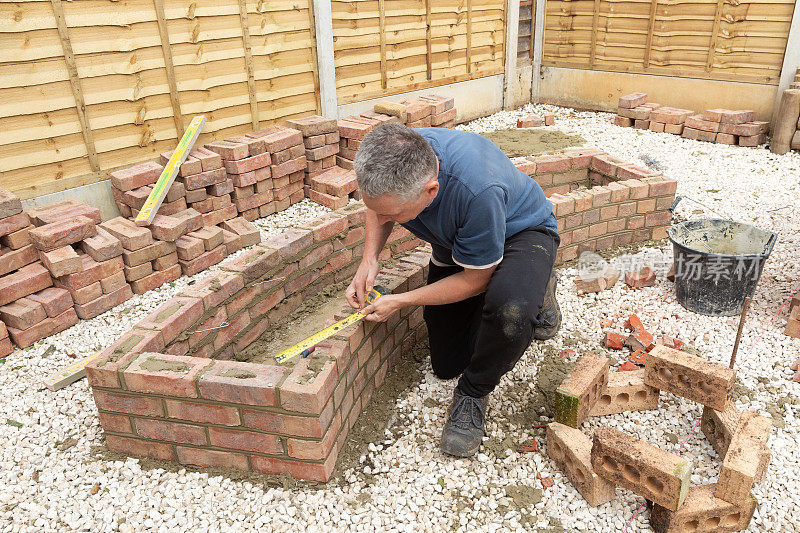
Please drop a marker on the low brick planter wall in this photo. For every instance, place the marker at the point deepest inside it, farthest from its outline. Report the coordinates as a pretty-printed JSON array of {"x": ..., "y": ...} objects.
[
  {"x": 169, "y": 388},
  {"x": 601, "y": 201}
]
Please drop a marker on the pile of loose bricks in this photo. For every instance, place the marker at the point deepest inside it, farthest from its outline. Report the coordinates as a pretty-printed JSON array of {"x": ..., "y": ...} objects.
[
  {"x": 624, "y": 203},
  {"x": 54, "y": 271},
  {"x": 423, "y": 112},
  {"x": 712, "y": 125},
  {"x": 536, "y": 121},
  {"x": 596, "y": 466},
  {"x": 170, "y": 387}
]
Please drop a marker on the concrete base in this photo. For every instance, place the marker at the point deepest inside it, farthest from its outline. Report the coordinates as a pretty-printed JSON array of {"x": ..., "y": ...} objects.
[
  {"x": 519, "y": 88},
  {"x": 600, "y": 90}
]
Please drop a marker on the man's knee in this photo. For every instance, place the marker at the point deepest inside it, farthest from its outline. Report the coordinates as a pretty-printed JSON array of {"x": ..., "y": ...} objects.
[
  {"x": 445, "y": 371},
  {"x": 512, "y": 317}
]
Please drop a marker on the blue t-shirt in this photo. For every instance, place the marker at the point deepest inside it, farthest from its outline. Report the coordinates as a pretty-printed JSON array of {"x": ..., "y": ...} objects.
[{"x": 482, "y": 200}]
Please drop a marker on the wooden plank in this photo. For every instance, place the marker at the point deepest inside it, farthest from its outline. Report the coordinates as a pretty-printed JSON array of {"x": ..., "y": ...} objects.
[
  {"x": 469, "y": 36},
  {"x": 166, "y": 50},
  {"x": 429, "y": 71},
  {"x": 248, "y": 62},
  {"x": 650, "y": 29},
  {"x": 75, "y": 84},
  {"x": 595, "y": 29},
  {"x": 382, "y": 30},
  {"x": 714, "y": 35},
  {"x": 533, "y": 28}
]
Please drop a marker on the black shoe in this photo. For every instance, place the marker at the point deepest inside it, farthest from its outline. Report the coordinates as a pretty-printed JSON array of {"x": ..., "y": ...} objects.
[
  {"x": 550, "y": 315},
  {"x": 463, "y": 431}
]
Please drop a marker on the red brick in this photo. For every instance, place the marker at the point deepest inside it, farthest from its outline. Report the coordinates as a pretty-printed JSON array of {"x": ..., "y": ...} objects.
[
  {"x": 300, "y": 470},
  {"x": 241, "y": 383},
  {"x": 204, "y": 261},
  {"x": 629, "y": 101},
  {"x": 255, "y": 146},
  {"x": 206, "y": 413},
  {"x": 646, "y": 277},
  {"x": 136, "y": 176},
  {"x": 54, "y": 301},
  {"x": 300, "y": 426},
  {"x": 25, "y": 281},
  {"x": 163, "y": 262},
  {"x": 250, "y": 441},
  {"x": 115, "y": 423},
  {"x": 104, "y": 370},
  {"x": 171, "y": 431},
  {"x": 14, "y": 223},
  {"x": 164, "y": 374},
  {"x": 167, "y": 228},
  {"x": 129, "y": 234},
  {"x": 155, "y": 280},
  {"x": 248, "y": 232},
  {"x": 277, "y": 138},
  {"x": 211, "y": 458},
  {"x": 215, "y": 218},
  {"x": 305, "y": 391},
  {"x": 57, "y": 234},
  {"x": 16, "y": 259},
  {"x": 247, "y": 164},
  {"x": 138, "y": 447},
  {"x": 134, "y": 404},
  {"x": 103, "y": 303},
  {"x": 103, "y": 246},
  {"x": 614, "y": 341},
  {"x": 173, "y": 317},
  {"x": 754, "y": 140},
  {"x": 189, "y": 248},
  {"x": 229, "y": 150},
  {"x": 22, "y": 314}
]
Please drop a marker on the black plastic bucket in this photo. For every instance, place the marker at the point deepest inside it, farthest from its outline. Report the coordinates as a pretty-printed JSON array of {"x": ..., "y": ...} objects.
[{"x": 718, "y": 263}]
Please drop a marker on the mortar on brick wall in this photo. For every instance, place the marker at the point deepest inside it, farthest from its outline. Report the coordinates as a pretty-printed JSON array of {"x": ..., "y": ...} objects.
[{"x": 171, "y": 389}]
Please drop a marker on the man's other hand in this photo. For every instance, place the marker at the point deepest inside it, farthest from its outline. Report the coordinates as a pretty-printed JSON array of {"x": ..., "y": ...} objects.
[
  {"x": 382, "y": 308},
  {"x": 362, "y": 283}
]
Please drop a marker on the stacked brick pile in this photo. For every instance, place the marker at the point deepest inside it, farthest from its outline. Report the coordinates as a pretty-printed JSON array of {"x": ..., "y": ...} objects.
[
  {"x": 147, "y": 263},
  {"x": 321, "y": 141},
  {"x": 612, "y": 458},
  {"x": 267, "y": 168},
  {"x": 626, "y": 204},
  {"x": 334, "y": 188},
  {"x": 169, "y": 388},
  {"x": 29, "y": 308},
  {"x": 83, "y": 259},
  {"x": 352, "y": 131},
  {"x": 713, "y": 125},
  {"x": 727, "y": 127},
  {"x": 423, "y": 112}
]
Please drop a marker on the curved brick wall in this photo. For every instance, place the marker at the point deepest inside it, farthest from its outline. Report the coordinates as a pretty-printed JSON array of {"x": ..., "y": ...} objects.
[{"x": 169, "y": 389}]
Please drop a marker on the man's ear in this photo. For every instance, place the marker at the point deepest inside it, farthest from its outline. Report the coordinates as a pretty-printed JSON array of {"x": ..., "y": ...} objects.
[{"x": 431, "y": 188}]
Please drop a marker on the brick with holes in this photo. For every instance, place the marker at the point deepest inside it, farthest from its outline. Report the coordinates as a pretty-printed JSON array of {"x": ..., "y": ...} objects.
[
  {"x": 702, "y": 511},
  {"x": 571, "y": 450},
  {"x": 689, "y": 376},
  {"x": 578, "y": 393},
  {"x": 660, "y": 476},
  {"x": 625, "y": 391}
]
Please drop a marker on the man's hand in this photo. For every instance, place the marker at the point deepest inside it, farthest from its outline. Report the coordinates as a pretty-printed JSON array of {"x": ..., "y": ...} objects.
[
  {"x": 383, "y": 308},
  {"x": 362, "y": 283}
]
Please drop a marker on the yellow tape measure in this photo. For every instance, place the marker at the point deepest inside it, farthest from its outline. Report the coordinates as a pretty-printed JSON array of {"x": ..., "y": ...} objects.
[{"x": 305, "y": 347}]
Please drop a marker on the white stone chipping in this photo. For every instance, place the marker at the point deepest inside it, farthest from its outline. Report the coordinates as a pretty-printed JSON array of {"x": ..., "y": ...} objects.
[{"x": 52, "y": 479}]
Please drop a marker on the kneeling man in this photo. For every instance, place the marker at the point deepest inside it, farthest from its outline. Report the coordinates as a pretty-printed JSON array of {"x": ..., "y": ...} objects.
[{"x": 490, "y": 288}]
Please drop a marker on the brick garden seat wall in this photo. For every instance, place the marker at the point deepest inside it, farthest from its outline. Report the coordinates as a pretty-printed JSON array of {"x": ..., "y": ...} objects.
[
  {"x": 625, "y": 203},
  {"x": 169, "y": 389}
]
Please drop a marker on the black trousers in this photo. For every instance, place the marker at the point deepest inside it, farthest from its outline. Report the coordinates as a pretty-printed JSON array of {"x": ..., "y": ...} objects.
[{"x": 481, "y": 338}]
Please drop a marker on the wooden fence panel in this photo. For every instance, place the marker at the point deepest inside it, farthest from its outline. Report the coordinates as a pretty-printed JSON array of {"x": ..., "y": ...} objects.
[
  {"x": 739, "y": 40},
  {"x": 133, "y": 84},
  {"x": 384, "y": 47}
]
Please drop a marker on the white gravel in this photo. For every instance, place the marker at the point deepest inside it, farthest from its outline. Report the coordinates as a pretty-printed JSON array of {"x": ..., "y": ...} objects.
[{"x": 50, "y": 482}]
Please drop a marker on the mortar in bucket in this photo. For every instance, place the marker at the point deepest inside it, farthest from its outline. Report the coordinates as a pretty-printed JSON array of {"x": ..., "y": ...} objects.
[{"x": 718, "y": 263}]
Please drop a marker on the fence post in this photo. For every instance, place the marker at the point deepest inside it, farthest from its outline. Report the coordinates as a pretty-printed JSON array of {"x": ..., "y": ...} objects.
[
  {"x": 323, "y": 27},
  {"x": 512, "y": 37},
  {"x": 538, "y": 43},
  {"x": 791, "y": 60}
]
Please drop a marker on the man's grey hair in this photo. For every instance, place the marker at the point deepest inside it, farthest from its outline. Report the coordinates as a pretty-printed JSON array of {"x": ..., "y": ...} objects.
[{"x": 393, "y": 159}]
